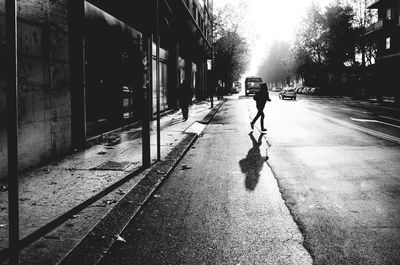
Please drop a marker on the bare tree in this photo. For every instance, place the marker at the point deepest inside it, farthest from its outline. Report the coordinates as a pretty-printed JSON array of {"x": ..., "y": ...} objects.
[
  {"x": 231, "y": 50},
  {"x": 364, "y": 17}
]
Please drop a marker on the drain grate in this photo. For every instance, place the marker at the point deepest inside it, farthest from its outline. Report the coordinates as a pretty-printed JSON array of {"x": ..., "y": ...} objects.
[{"x": 112, "y": 165}]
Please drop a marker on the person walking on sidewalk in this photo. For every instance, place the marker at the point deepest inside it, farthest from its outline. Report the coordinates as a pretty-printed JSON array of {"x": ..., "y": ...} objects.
[
  {"x": 220, "y": 92},
  {"x": 185, "y": 97},
  {"x": 261, "y": 97}
]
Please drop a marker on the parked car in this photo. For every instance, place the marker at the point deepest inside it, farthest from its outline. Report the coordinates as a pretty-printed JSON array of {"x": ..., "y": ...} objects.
[
  {"x": 318, "y": 91},
  {"x": 252, "y": 84},
  {"x": 298, "y": 89},
  {"x": 311, "y": 91},
  {"x": 276, "y": 89},
  {"x": 287, "y": 92},
  {"x": 305, "y": 90}
]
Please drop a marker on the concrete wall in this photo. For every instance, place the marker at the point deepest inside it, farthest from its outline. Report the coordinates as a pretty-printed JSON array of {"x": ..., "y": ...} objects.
[{"x": 43, "y": 73}]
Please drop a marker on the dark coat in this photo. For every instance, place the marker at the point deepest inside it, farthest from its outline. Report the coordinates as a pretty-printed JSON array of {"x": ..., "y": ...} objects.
[
  {"x": 261, "y": 97},
  {"x": 184, "y": 94}
]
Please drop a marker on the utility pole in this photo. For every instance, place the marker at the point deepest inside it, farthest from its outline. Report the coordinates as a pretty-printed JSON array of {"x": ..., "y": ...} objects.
[{"x": 12, "y": 136}]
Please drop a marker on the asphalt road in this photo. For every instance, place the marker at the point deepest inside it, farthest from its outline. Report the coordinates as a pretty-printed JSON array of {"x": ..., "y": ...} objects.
[
  {"x": 322, "y": 186},
  {"x": 338, "y": 169}
]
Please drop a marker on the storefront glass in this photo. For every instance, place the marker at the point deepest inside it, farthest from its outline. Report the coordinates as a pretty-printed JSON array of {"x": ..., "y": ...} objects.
[{"x": 112, "y": 72}]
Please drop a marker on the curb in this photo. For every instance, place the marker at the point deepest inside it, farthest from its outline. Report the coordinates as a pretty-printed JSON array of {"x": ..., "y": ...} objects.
[
  {"x": 211, "y": 114},
  {"x": 92, "y": 248}
]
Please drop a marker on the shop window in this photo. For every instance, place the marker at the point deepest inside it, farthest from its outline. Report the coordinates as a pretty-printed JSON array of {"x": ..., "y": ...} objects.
[
  {"x": 181, "y": 75},
  {"x": 181, "y": 65},
  {"x": 113, "y": 72},
  {"x": 163, "y": 80},
  {"x": 389, "y": 14},
  {"x": 194, "y": 72},
  {"x": 388, "y": 43}
]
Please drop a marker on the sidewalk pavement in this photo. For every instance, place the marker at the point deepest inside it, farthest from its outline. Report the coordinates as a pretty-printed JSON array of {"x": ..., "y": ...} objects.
[{"x": 61, "y": 202}]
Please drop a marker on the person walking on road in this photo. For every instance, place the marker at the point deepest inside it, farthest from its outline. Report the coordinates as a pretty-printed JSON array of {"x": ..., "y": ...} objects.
[
  {"x": 261, "y": 97},
  {"x": 184, "y": 97}
]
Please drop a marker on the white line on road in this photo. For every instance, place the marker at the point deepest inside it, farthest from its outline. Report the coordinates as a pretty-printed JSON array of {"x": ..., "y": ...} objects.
[
  {"x": 353, "y": 110},
  {"x": 365, "y": 130},
  {"x": 390, "y": 118},
  {"x": 356, "y": 127},
  {"x": 382, "y": 107},
  {"x": 375, "y": 121},
  {"x": 338, "y": 206},
  {"x": 344, "y": 108}
]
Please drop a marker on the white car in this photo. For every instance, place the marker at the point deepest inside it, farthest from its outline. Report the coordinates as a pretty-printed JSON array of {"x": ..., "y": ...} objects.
[{"x": 287, "y": 92}]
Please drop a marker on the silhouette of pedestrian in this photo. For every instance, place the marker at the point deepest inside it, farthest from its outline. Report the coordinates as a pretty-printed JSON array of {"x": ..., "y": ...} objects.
[
  {"x": 220, "y": 92},
  {"x": 184, "y": 97},
  {"x": 252, "y": 165},
  {"x": 261, "y": 97}
]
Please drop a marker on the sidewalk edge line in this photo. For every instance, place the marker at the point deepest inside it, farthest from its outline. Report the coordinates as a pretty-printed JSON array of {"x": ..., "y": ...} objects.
[
  {"x": 92, "y": 238},
  {"x": 212, "y": 113}
]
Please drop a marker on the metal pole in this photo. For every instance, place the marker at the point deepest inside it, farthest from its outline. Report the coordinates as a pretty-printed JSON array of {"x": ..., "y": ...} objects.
[
  {"x": 158, "y": 83},
  {"x": 148, "y": 86},
  {"x": 212, "y": 54},
  {"x": 12, "y": 136}
]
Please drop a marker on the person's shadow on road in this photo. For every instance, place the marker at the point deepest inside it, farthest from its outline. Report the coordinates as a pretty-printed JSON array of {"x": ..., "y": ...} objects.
[{"x": 252, "y": 165}]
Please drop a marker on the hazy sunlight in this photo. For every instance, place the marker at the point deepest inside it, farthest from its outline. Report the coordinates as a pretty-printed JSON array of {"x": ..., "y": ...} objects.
[{"x": 268, "y": 20}]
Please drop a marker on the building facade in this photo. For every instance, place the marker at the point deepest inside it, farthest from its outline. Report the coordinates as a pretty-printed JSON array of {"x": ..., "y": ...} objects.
[
  {"x": 90, "y": 67},
  {"x": 386, "y": 35}
]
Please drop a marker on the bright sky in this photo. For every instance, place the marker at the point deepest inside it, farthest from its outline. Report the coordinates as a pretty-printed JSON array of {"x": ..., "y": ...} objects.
[{"x": 268, "y": 20}]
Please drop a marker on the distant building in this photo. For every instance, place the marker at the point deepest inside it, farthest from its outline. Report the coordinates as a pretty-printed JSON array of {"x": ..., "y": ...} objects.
[
  {"x": 86, "y": 66},
  {"x": 386, "y": 34}
]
